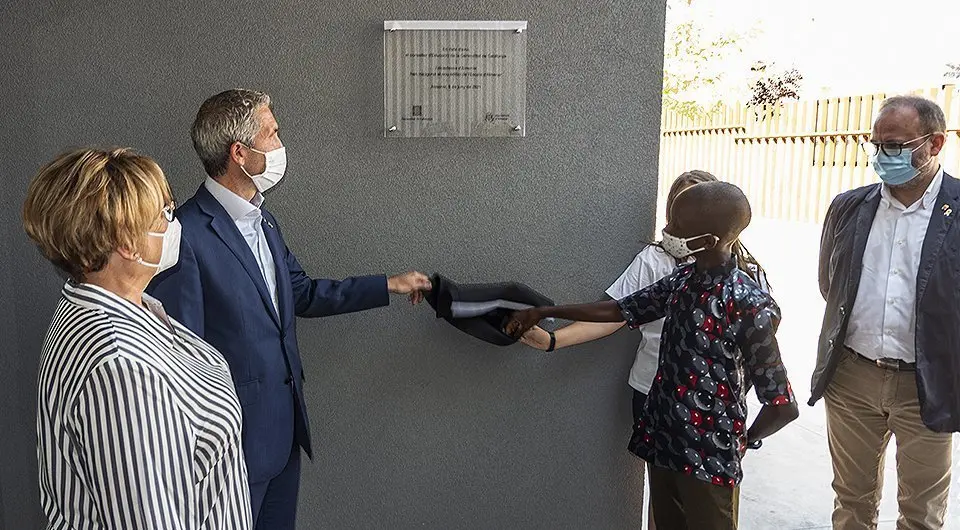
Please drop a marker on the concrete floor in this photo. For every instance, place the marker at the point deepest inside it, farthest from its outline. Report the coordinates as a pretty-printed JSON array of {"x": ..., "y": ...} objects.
[{"x": 796, "y": 492}]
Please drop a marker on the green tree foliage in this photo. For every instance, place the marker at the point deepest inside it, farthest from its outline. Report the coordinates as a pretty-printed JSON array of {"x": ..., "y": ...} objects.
[
  {"x": 706, "y": 64},
  {"x": 772, "y": 87}
]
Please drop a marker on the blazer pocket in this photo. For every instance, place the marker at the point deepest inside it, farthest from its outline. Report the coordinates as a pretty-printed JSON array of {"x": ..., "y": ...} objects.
[{"x": 249, "y": 392}]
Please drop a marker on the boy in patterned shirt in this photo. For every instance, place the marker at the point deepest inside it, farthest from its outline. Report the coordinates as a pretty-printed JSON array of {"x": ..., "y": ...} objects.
[{"x": 718, "y": 340}]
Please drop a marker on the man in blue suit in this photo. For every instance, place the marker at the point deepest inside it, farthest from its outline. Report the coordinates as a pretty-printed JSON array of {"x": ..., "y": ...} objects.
[{"x": 239, "y": 287}]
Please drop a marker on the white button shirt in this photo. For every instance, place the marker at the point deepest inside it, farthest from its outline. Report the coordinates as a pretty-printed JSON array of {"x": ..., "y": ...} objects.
[
  {"x": 249, "y": 221},
  {"x": 883, "y": 322}
]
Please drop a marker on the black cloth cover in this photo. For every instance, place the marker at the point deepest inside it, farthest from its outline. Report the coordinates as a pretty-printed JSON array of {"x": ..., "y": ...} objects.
[{"x": 496, "y": 300}]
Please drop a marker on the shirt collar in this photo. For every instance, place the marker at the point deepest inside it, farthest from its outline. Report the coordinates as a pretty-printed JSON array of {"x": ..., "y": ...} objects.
[
  {"x": 933, "y": 190},
  {"x": 929, "y": 196},
  {"x": 95, "y": 297},
  {"x": 235, "y": 205},
  {"x": 717, "y": 274}
]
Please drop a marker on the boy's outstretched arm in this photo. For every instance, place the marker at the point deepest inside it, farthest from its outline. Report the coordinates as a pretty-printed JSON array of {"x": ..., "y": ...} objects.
[
  {"x": 521, "y": 321},
  {"x": 645, "y": 305}
]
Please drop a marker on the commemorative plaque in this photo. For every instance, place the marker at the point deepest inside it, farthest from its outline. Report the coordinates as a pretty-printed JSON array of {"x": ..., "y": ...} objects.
[{"x": 454, "y": 78}]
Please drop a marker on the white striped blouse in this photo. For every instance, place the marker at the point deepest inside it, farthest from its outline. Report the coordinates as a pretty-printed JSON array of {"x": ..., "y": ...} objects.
[{"x": 138, "y": 421}]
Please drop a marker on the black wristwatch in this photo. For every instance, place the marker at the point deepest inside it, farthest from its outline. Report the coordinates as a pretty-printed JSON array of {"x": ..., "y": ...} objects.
[{"x": 553, "y": 342}]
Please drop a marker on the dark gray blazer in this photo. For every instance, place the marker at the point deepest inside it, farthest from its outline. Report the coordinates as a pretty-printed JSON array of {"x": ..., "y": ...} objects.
[{"x": 845, "y": 232}]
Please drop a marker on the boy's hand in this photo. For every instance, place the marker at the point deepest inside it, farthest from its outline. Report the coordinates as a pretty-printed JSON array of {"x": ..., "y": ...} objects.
[
  {"x": 521, "y": 321},
  {"x": 537, "y": 338}
]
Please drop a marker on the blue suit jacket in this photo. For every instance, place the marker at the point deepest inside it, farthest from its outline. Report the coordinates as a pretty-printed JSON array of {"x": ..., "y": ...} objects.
[{"x": 217, "y": 290}]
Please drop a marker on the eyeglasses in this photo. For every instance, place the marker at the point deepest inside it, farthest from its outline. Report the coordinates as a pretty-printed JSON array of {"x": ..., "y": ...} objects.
[
  {"x": 167, "y": 212},
  {"x": 890, "y": 148}
]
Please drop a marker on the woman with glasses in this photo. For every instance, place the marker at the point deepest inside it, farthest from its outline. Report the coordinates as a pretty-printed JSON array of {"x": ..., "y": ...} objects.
[{"x": 138, "y": 422}]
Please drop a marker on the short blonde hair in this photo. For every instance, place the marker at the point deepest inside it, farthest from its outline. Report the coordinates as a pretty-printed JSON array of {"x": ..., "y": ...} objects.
[{"x": 87, "y": 203}]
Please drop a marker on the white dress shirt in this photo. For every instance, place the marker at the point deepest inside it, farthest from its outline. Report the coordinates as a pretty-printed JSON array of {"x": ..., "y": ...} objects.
[
  {"x": 249, "y": 221},
  {"x": 883, "y": 322}
]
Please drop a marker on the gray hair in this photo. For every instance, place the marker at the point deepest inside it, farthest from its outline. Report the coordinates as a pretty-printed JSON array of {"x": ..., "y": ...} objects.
[
  {"x": 931, "y": 115},
  {"x": 228, "y": 117}
]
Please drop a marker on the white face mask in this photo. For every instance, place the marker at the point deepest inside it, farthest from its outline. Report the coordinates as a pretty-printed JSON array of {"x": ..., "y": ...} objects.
[
  {"x": 171, "y": 248},
  {"x": 273, "y": 171},
  {"x": 679, "y": 247}
]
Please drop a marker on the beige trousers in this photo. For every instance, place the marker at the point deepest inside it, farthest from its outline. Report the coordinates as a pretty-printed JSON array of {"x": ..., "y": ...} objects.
[{"x": 865, "y": 404}]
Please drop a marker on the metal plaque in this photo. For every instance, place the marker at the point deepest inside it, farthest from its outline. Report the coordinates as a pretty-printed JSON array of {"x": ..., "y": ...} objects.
[{"x": 454, "y": 78}]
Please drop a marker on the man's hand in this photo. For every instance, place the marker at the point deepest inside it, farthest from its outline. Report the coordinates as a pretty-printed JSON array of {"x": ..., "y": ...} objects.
[
  {"x": 413, "y": 283},
  {"x": 521, "y": 321},
  {"x": 537, "y": 338}
]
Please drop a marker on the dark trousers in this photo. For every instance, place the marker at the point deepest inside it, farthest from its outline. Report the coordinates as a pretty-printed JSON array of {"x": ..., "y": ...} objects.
[
  {"x": 275, "y": 500},
  {"x": 682, "y": 502}
]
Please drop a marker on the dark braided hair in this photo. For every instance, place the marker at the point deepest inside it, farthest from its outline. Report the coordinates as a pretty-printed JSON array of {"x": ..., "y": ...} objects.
[
  {"x": 745, "y": 260},
  {"x": 750, "y": 265}
]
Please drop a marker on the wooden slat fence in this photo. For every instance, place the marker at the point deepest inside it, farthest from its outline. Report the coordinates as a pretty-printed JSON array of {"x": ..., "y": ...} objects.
[{"x": 795, "y": 159}]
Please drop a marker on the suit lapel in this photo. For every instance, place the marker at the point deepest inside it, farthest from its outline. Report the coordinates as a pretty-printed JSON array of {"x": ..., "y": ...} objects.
[
  {"x": 866, "y": 212},
  {"x": 227, "y": 231},
  {"x": 278, "y": 251},
  {"x": 941, "y": 219}
]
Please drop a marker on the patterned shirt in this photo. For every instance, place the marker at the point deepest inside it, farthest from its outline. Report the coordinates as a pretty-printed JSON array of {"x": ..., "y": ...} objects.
[{"x": 718, "y": 340}]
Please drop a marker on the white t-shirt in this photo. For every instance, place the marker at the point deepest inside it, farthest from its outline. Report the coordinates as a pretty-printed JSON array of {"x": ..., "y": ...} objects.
[{"x": 650, "y": 265}]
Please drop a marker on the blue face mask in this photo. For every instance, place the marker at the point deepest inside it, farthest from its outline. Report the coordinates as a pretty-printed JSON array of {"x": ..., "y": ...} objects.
[{"x": 897, "y": 170}]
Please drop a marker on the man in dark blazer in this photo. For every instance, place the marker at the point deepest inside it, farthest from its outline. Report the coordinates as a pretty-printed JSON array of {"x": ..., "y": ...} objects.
[
  {"x": 889, "y": 352},
  {"x": 239, "y": 287}
]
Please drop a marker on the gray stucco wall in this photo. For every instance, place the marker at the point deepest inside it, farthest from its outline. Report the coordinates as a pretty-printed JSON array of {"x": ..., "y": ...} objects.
[{"x": 417, "y": 425}]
